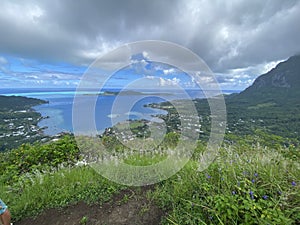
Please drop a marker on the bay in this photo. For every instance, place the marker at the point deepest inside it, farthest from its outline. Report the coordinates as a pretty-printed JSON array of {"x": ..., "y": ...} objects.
[{"x": 58, "y": 112}]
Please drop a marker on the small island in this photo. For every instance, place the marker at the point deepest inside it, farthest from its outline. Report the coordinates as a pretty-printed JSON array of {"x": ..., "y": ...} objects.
[{"x": 129, "y": 92}]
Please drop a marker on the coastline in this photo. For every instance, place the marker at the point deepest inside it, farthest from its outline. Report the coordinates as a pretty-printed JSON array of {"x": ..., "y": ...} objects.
[
  {"x": 55, "y": 108},
  {"x": 19, "y": 122}
]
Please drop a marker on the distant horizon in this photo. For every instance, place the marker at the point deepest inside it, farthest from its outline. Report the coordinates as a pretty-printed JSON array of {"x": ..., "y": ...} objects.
[{"x": 112, "y": 88}]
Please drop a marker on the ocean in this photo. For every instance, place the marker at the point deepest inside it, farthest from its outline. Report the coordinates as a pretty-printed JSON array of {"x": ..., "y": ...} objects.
[{"x": 59, "y": 109}]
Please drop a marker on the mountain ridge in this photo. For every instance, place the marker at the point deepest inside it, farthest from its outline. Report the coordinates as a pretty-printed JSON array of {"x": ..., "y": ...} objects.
[
  {"x": 271, "y": 103},
  {"x": 280, "y": 84},
  {"x": 284, "y": 79}
]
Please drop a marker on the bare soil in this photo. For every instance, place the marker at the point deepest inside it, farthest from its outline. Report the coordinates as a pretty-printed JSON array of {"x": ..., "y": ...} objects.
[{"x": 129, "y": 207}]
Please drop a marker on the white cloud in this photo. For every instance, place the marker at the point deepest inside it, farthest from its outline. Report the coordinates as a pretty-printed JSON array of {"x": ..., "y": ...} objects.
[
  {"x": 3, "y": 65},
  {"x": 241, "y": 78},
  {"x": 31, "y": 77},
  {"x": 270, "y": 65},
  {"x": 145, "y": 54},
  {"x": 169, "y": 71},
  {"x": 169, "y": 82},
  {"x": 189, "y": 84},
  {"x": 27, "y": 13},
  {"x": 150, "y": 77},
  {"x": 206, "y": 79},
  {"x": 3, "y": 61}
]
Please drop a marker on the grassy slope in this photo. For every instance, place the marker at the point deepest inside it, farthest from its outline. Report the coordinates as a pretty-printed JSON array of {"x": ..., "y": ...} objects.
[{"x": 246, "y": 184}]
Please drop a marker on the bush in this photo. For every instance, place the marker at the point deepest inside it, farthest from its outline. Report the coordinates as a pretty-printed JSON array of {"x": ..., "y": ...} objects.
[{"x": 28, "y": 158}]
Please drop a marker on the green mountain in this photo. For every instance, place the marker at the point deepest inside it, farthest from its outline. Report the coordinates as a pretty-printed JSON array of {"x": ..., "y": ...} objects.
[
  {"x": 271, "y": 103},
  {"x": 14, "y": 103},
  {"x": 281, "y": 85}
]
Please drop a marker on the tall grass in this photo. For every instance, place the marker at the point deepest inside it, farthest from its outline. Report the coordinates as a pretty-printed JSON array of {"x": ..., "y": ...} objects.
[
  {"x": 38, "y": 191},
  {"x": 250, "y": 185},
  {"x": 246, "y": 184}
]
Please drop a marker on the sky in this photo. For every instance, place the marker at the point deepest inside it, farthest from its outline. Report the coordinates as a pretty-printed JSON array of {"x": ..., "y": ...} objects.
[{"x": 51, "y": 43}]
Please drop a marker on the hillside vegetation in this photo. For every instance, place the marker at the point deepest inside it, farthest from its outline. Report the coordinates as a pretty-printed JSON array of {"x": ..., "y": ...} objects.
[
  {"x": 248, "y": 183},
  {"x": 18, "y": 121}
]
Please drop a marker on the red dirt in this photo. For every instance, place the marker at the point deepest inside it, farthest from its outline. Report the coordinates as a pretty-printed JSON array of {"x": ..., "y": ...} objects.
[{"x": 130, "y": 207}]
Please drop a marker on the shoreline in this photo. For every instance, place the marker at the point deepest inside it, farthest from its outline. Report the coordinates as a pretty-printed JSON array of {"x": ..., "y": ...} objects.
[{"x": 20, "y": 121}]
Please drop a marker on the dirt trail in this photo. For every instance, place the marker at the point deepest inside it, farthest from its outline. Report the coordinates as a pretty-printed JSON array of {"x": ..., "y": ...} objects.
[{"x": 130, "y": 207}]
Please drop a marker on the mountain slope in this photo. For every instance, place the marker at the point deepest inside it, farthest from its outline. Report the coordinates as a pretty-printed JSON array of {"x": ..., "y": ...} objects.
[
  {"x": 280, "y": 85},
  {"x": 271, "y": 103}
]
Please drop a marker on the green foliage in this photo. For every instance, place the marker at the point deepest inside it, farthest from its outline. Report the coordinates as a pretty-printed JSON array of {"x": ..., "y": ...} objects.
[
  {"x": 111, "y": 143},
  {"x": 141, "y": 160},
  {"x": 14, "y": 103},
  {"x": 35, "y": 192},
  {"x": 29, "y": 158},
  {"x": 40, "y": 176},
  {"x": 245, "y": 185},
  {"x": 248, "y": 183},
  {"x": 261, "y": 137},
  {"x": 170, "y": 140},
  {"x": 84, "y": 220}
]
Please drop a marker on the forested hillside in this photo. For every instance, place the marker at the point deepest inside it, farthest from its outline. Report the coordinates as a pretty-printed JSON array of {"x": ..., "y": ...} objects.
[{"x": 18, "y": 121}]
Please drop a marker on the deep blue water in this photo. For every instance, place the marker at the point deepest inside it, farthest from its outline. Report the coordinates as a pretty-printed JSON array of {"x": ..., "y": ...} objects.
[{"x": 60, "y": 106}]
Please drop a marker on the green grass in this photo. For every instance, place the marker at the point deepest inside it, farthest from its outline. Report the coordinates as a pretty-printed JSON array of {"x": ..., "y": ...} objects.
[
  {"x": 246, "y": 184},
  {"x": 36, "y": 192},
  {"x": 142, "y": 160},
  {"x": 252, "y": 185}
]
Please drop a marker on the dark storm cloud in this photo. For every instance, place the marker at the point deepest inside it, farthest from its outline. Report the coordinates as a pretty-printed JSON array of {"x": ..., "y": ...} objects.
[
  {"x": 226, "y": 34},
  {"x": 76, "y": 30}
]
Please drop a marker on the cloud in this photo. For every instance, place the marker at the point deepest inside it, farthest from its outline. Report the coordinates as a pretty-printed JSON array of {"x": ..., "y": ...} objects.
[
  {"x": 145, "y": 55},
  {"x": 240, "y": 78},
  {"x": 19, "y": 72},
  {"x": 3, "y": 65},
  {"x": 169, "y": 82},
  {"x": 227, "y": 35},
  {"x": 31, "y": 77},
  {"x": 3, "y": 61},
  {"x": 169, "y": 71},
  {"x": 150, "y": 77}
]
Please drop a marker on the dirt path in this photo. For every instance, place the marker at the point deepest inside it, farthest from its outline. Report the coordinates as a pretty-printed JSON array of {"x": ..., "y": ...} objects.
[{"x": 130, "y": 207}]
